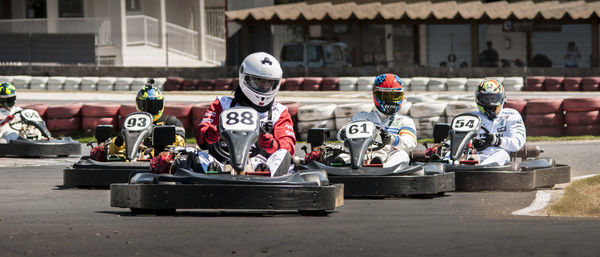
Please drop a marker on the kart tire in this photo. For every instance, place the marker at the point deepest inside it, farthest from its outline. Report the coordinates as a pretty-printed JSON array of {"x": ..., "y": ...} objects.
[
  {"x": 178, "y": 110},
  {"x": 90, "y": 123},
  {"x": 38, "y": 82},
  {"x": 72, "y": 83},
  {"x": 21, "y": 82},
  {"x": 450, "y": 98},
  {"x": 55, "y": 82},
  {"x": 348, "y": 83},
  {"x": 160, "y": 83},
  {"x": 472, "y": 83},
  {"x": 63, "y": 111},
  {"x": 311, "y": 87},
  {"x": 509, "y": 81},
  {"x": 292, "y": 108},
  {"x": 123, "y": 83},
  {"x": 138, "y": 83},
  {"x": 126, "y": 109},
  {"x": 365, "y": 80},
  {"x": 514, "y": 88},
  {"x": 543, "y": 120},
  {"x": 499, "y": 79},
  {"x": 427, "y": 123},
  {"x": 418, "y": 88},
  {"x": 553, "y": 83},
  {"x": 517, "y": 104},
  {"x": 456, "y": 84},
  {"x": 173, "y": 83},
  {"x": 199, "y": 110},
  {"x": 546, "y": 131},
  {"x": 427, "y": 109},
  {"x": 189, "y": 85},
  {"x": 437, "y": 84},
  {"x": 534, "y": 83},
  {"x": 404, "y": 109},
  {"x": 293, "y": 84},
  {"x": 40, "y": 108},
  {"x": 341, "y": 121},
  {"x": 65, "y": 124},
  {"x": 572, "y": 84},
  {"x": 204, "y": 85},
  {"x": 539, "y": 106},
  {"x": 455, "y": 108},
  {"x": 223, "y": 84},
  {"x": 593, "y": 130},
  {"x": 304, "y": 126},
  {"x": 590, "y": 83},
  {"x": 106, "y": 84},
  {"x": 582, "y": 118},
  {"x": 418, "y": 82},
  {"x": 348, "y": 110},
  {"x": 312, "y": 83},
  {"x": 581, "y": 104},
  {"x": 316, "y": 112},
  {"x": 187, "y": 123},
  {"x": 330, "y": 84},
  {"x": 419, "y": 99},
  {"x": 100, "y": 109}
]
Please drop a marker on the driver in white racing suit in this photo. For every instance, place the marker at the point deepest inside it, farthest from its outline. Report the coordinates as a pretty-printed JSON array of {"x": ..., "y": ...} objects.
[
  {"x": 8, "y": 97},
  {"x": 400, "y": 133},
  {"x": 506, "y": 129}
]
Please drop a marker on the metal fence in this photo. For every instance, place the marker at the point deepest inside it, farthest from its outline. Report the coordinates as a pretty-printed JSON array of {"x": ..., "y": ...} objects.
[{"x": 142, "y": 30}]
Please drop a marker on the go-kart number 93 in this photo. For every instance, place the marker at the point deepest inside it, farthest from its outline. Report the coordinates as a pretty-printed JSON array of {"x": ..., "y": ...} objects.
[
  {"x": 239, "y": 119},
  {"x": 137, "y": 122},
  {"x": 31, "y": 115},
  {"x": 359, "y": 130},
  {"x": 465, "y": 123}
]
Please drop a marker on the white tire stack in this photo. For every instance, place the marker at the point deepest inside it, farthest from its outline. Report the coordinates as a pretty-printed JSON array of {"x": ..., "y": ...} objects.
[
  {"x": 456, "y": 108},
  {"x": 499, "y": 79},
  {"x": 513, "y": 83},
  {"x": 406, "y": 82},
  {"x": 426, "y": 115},
  {"x": 106, "y": 84},
  {"x": 38, "y": 82},
  {"x": 21, "y": 82},
  {"x": 344, "y": 112},
  {"x": 6, "y": 79},
  {"x": 158, "y": 83},
  {"x": 365, "y": 83},
  {"x": 419, "y": 98},
  {"x": 437, "y": 84},
  {"x": 72, "y": 83},
  {"x": 138, "y": 83},
  {"x": 472, "y": 83},
  {"x": 89, "y": 83},
  {"x": 123, "y": 84},
  {"x": 316, "y": 116},
  {"x": 456, "y": 84},
  {"x": 348, "y": 83},
  {"x": 56, "y": 82},
  {"x": 447, "y": 98},
  {"x": 405, "y": 108},
  {"x": 419, "y": 84}
]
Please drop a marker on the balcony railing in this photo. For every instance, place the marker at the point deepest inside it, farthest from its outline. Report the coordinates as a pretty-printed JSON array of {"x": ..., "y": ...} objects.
[
  {"x": 142, "y": 30},
  {"x": 215, "y": 50},
  {"x": 99, "y": 26},
  {"x": 182, "y": 40}
]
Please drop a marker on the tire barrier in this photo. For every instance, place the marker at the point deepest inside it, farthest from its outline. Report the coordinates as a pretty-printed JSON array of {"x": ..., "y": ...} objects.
[
  {"x": 189, "y": 85},
  {"x": 293, "y": 110},
  {"x": 582, "y": 130},
  {"x": 158, "y": 82},
  {"x": 124, "y": 111},
  {"x": 418, "y": 84},
  {"x": 513, "y": 83},
  {"x": 316, "y": 112},
  {"x": 582, "y": 118},
  {"x": 65, "y": 125},
  {"x": 21, "y": 82},
  {"x": 223, "y": 84},
  {"x": 425, "y": 125},
  {"x": 572, "y": 84},
  {"x": 544, "y": 117},
  {"x": 90, "y": 123},
  {"x": 456, "y": 108},
  {"x": 198, "y": 111},
  {"x": 63, "y": 111},
  {"x": 304, "y": 126},
  {"x": 541, "y": 106},
  {"x": 38, "y": 83},
  {"x": 89, "y": 83},
  {"x": 206, "y": 84},
  {"x": 581, "y": 104},
  {"x": 56, "y": 83},
  {"x": 590, "y": 83},
  {"x": 182, "y": 112},
  {"x": 517, "y": 104},
  {"x": 546, "y": 131},
  {"x": 4, "y": 78},
  {"x": 312, "y": 83},
  {"x": 40, "y": 108},
  {"x": 72, "y": 83},
  {"x": 347, "y": 83},
  {"x": 330, "y": 84},
  {"x": 138, "y": 83},
  {"x": 449, "y": 98},
  {"x": 344, "y": 112},
  {"x": 173, "y": 83},
  {"x": 404, "y": 109},
  {"x": 456, "y": 84},
  {"x": 123, "y": 83},
  {"x": 428, "y": 109},
  {"x": 534, "y": 83},
  {"x": 293, "y": 84},
  {"x": 106, "y": 84},
  {"x": 365, "y": 83},
  {"x": 553, "y": 83},
  {"x": 472, "y": 83},
  {"x": 100, "y": 110},
  {"x": 437, "y": 84},
  {"x": 419, "y": 98},
  {"x": 545, "y": 120}
]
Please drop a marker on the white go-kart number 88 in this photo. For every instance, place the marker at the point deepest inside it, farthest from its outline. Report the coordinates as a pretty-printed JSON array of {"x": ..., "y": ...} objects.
[
  {"x": 137, "y": 122},
  {"x": 465, "y": 123},
  {"x": 239, "y": 119},
  {"x": 359, "y": 130}
]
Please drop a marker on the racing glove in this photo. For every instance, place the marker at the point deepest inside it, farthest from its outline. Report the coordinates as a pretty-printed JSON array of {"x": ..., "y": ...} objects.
[
  {"x": 212, "y": 134},
  {"x": 268, "y": 143},
  {"x": 489, "y": 140},
  {"x": 387, "y": 138}
]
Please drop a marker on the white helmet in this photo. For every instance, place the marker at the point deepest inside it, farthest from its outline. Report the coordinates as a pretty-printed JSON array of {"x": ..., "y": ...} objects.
[{"x": 260, "y": 77}]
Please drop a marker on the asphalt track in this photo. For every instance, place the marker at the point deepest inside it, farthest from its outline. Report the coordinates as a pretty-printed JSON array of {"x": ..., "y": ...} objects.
[{"x": 38, "y": 218}]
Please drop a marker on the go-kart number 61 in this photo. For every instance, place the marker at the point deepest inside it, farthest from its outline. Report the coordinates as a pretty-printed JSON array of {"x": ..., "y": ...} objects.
[
  {"x": 239, "y": 119},
  {"x": 359, "y": 130},
  {"x": 137, "y": 122},
  {"x": 465, "y": 123}
]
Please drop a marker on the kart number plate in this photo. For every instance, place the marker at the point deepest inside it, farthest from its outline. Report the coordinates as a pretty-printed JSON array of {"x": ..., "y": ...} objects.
[
  {"x": 465, "y": 123},
  {"x": 359, "y": 130},
  {"x": 31, "y": 115},
  {"x": 137, "y": 122},
  {"x": 242, "y": 119}
]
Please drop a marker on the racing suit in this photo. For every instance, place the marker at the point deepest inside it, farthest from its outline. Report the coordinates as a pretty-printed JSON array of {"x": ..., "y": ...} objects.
[
  {"x": 6, "y": 132},
  {"x": 404, "y": 136},
  {"x": 117, "y": 145},
  {"x": 277, "y": 155},
  {"x": 508, "y": 126}
]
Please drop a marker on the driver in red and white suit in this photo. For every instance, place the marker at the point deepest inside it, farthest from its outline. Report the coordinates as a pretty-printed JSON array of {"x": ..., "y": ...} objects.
[{"x": 260, "y": 78}]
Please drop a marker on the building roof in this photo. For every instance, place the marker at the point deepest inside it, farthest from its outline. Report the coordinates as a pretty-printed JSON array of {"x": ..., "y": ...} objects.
[{"x": 319, "y": 10}]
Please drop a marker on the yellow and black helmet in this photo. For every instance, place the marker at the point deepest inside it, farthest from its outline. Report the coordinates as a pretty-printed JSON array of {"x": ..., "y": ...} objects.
[
  {"x": 150, "y": 99},
  {"x": 8, "y": 95}
]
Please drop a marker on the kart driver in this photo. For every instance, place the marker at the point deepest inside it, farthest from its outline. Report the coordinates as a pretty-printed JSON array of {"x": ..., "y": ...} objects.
[
  {"x": 149, "y": 99},
  {"x": 400, "y": 133},
  {"x": 260, "y": 78},
  {"x": 505, "y": 125},
  {"x": 8, "y": 97}
]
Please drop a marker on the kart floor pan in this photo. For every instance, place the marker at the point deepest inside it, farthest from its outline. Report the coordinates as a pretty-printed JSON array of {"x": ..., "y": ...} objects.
[
  {"x": 391, "y": 186},
  {"x": 478, "y": 180},
  {"x": 220, "y": 196},
  {"x": 101, "y": 176},
  {"x": 41, "y": 149}
]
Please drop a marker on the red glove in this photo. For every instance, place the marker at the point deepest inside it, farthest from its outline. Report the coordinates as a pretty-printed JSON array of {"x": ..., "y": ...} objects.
[
  {"x": 267, "y": 142},
  {"x": 7, "y": 119},
  {"x": 212, "y": 135}
]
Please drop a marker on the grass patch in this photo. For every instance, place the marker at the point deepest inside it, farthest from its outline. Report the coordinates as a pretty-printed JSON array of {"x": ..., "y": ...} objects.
[{"x": 581, "y": 198}]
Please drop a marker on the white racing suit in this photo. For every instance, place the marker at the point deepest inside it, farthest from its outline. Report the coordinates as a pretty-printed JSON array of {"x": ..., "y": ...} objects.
[
  {"x": 6, "y": 132},
  {"x": 508, "y": 126},
  {"x": 404, "y": 136}
]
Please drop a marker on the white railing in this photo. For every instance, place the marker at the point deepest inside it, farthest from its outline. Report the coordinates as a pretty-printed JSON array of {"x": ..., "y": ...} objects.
[
  {"x": 99, "y": 26},
  {"x": 182, "y": 40},
  {"x": 142, "y": 30},
  {"x": 24, "y": 26},
  {"x": 215, "y": 22},
  {"x": 215, "y": 50}
]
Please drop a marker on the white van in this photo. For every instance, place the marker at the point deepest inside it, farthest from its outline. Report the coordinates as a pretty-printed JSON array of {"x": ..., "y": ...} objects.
[{"x": 316, "y": 53}]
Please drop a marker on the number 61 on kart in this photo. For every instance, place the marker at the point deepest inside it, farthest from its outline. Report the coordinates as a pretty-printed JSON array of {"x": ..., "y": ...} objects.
[{"x": 359, "y": 129}]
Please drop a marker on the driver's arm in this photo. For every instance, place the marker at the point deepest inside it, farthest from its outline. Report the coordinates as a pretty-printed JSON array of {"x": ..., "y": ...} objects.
[
  {"x": 283, "y": 136},
  {"x": 404, "y": 134},
  {"x": 209, "y": 123},
  {"x": 515, "y": 139}
]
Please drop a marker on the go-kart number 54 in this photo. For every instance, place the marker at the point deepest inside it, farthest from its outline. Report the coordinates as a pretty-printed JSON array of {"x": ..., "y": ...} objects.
[
  {"x": 465, "y": 123},
  {"x": 239, "y": 119},
  {"x": 31, "y": 115},
  {"x": 359, "y": 130},
  {"x": 137, "y": 122}
]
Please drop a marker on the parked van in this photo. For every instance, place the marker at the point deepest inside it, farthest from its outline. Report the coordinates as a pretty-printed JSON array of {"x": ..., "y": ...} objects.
[{"x": 316, "y": 53}]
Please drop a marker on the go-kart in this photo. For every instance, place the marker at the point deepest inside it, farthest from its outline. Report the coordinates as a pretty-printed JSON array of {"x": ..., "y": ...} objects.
[
  {"x": 362, "y": 177},
  {"x": 529, "y": 173},
  {"x": 100, "y": 169},
  {"x": 34, "y": 138},
  {"x": 237, "y": 186}
]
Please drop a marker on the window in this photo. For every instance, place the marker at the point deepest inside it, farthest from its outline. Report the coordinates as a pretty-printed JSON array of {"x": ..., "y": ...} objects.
[
  {"x": 337, "y": 54},
  {"x": 133, "y": 5},
  {"x": 314, "y": 53},
  {"x": 70, "y": 8},
  {"x": 292, "y": 53},
  {"x": 35, "y": 9}
]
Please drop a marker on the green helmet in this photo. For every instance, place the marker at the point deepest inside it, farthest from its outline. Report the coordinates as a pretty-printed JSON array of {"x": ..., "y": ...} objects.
[
  {"x": 150, "y": 99},
  {"x": 8, "y": 95}
]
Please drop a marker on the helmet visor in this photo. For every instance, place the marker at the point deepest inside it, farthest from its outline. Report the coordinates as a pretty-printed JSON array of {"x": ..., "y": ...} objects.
[
  {"x": 490, "y": 99},
  {"x": 261, "y": 85},
  {"x": 389, "y": 95},
  {"x": 151, "y": 106},
  {"x": 8, "y": 101}
]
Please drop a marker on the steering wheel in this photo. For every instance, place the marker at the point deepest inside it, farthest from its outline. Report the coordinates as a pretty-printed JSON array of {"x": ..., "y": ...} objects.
[
  {"x": 375, "y": 145},
  {"x": 15, "y": 122},
  {"x": 483, "y": 140},
  {"x": 222, "y": 149}
]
